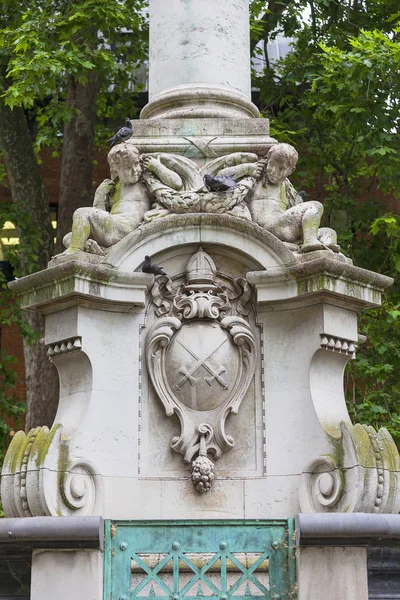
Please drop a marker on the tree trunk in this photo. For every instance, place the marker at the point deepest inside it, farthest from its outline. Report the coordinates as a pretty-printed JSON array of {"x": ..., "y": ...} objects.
[
  {"x": 27, "y": 190},
  {"x": 269, "y": 21},
  {"x": 36, "y": 243},
  {"x": 77, "y": 155},
  {"x": 42, "y": 382}
]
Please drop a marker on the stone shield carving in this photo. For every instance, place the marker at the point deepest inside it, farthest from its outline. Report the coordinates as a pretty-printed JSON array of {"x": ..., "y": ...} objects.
[{"x": 201, "y": 361}]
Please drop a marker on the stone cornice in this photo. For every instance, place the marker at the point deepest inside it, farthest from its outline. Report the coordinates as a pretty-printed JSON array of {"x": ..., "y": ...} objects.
[{"x": 75, "y": 280}]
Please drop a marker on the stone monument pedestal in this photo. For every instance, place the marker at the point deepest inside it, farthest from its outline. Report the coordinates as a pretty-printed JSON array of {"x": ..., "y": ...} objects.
[
  {"x": 283, "y": 442},
  {"x": 201, "y": 403}
]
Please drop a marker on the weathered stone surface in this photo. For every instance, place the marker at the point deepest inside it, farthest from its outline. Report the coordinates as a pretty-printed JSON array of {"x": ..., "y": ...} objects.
[
  {"x": 333, "y": 573},
  {"x": 67, "y": 574},
  {"x": 277, "y": 296},
  {"x": 364, "y": 476},
  {"x": 202, "y": 139},
  {"x": 98, "y": 317},
  {"x": 206, "y": 70}
]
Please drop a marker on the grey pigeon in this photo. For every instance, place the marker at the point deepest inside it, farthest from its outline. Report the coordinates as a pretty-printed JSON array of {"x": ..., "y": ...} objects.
[
  {"x": 149, "y": 267},
  {"x": 122, "y": 134},
  {"x": 302, "y": 194},
  {"x": 219, "y": 183}
]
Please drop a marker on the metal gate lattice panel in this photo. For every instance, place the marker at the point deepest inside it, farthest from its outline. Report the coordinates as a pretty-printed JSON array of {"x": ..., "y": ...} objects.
[{"x": 191, "y": 560}]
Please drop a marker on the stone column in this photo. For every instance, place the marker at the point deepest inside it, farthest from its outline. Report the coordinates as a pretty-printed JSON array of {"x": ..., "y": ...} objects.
[{"x": 199, "y": 60}]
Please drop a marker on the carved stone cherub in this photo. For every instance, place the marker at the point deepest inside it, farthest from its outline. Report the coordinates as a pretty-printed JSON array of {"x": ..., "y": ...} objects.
[
  {"x": 270, "y": 205},
  {"x": 118, "y": 207}
]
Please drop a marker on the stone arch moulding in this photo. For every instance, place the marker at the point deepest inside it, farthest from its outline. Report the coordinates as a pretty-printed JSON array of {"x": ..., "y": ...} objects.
[{"x": 262, "y": 249}]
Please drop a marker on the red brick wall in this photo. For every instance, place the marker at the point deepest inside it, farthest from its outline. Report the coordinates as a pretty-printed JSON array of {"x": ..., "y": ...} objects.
[{"x": 11, "y": 342}]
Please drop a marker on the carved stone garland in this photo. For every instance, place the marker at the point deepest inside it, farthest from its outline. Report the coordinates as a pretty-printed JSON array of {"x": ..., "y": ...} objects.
[{"x": 201, "y": 362}]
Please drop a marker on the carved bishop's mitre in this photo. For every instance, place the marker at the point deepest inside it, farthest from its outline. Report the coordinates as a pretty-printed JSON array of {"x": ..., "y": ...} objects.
[{"x": 200, "y": 271}]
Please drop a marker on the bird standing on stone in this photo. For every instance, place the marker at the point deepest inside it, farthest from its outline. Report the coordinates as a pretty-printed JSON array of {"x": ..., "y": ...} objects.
[
  {"x": 219, "y": 183},
  {"x": 122, "y": 134},
  {"x": 149, "y": 267},
  {"x": 302, "y": 195}
]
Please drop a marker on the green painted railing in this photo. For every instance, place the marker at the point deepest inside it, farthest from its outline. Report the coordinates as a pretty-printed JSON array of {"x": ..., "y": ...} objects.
[{"x": 190, "y": 560}]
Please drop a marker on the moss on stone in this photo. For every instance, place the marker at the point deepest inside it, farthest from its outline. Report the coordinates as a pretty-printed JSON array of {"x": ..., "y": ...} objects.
[
  {"x": 43, "y": 443},
  {"x": 15, "y": 452}
]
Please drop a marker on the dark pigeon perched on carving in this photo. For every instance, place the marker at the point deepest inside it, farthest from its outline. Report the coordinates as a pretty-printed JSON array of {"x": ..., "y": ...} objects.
[
  {"x": 122, "y": 134},
  {"x": 302, "y": 195},
  {"x": 219, "y": 183},
  {"x": 149, "y": 267}
]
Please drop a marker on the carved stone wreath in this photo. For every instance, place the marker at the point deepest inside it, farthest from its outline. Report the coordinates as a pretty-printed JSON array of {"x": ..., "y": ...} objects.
[{"x": 201, "y": 363}]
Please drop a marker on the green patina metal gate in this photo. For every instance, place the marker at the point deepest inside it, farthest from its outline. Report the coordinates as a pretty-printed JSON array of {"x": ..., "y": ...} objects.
[{"x": 191, "y": 560}]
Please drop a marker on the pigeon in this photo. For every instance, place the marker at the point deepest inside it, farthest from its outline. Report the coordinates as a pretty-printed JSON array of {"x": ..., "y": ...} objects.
[
  {"x": 219, "y": 183},
  {"x": 149, "y": 267},
  {"x": 122, "y": 134},
  {"x": 302, "y": 194}
]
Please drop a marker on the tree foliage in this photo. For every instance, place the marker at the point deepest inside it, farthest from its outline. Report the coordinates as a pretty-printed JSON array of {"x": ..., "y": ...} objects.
[
  {"x": 63, "y": 64},
  {"x": 46, "y": 41},
  {"x": 335, "y": 97}
]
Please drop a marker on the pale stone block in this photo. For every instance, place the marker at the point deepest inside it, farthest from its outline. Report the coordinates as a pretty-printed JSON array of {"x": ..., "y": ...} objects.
[
  {"x": 67, "y": 575},
  {"x": 113, "y": 438},
  {"x": 129, "y": 498},
  {"x": 171, "y": 499},
  {"x": 332, "y": 573},
  {"x": 290, "y": 340},
  {"x": 288, "y": 450},
  {"x": 226, "y": 501},
  {"x": 272, "y": 497},
  {"x": 340, "y": 322},
  {"x": 61, "y": 325},
  {"x": 202, "y": 139}
]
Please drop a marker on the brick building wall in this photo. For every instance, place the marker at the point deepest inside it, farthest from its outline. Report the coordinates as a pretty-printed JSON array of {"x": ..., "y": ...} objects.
[{"x": 10, "y": 340}]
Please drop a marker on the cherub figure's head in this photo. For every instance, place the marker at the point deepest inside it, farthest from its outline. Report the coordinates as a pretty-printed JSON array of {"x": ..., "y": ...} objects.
[
  {"x": 282, "y": 160},
  {"x": 124, "y": 163}
]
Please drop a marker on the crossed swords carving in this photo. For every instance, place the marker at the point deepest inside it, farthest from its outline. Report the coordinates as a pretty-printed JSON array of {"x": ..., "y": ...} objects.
[{"x": 188, "y": 372}]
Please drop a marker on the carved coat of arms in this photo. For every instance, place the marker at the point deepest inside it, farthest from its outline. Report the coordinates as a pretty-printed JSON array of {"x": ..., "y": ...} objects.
[{"x": 201, "y": 357}]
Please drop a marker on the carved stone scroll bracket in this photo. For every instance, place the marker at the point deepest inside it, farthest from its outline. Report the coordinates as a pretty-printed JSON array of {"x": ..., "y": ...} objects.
[
  {"x": 326, "y": 377},
  {"x": 363, "y": 477},
  {"x": 40, "y": 479}
]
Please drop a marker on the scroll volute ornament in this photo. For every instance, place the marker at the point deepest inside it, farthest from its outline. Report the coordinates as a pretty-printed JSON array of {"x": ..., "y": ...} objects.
[
  {"x": 364, "y": 476},
  {"x": 39, "y": 477},
  {"x": 201, "y": 358}
]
